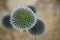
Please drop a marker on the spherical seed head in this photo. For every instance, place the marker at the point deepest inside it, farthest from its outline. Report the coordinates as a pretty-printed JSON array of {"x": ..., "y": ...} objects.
[
  {"x": 23, "y": 18},
  {"x": 38, "y": 29},
  {"x": 6, "y": 22}
]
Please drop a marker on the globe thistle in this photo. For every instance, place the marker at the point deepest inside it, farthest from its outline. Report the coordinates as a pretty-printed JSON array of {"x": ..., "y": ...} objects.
[
  {"x": 38, "y": 29},
  {"x": 6, "y": 22},
  {"x": 23, "y": 18},
  {"x": 32, "y": 8}
]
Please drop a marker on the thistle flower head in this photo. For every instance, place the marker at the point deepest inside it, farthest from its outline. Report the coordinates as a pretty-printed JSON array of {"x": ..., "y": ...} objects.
[
  {"x": 38, "y": 29},
  {"x": 6, "y": 22},
  {"x": 23, "y": 18}
]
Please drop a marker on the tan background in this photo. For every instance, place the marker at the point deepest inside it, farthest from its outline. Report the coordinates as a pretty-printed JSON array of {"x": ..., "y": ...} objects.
[{"x": 45, "y": 10}]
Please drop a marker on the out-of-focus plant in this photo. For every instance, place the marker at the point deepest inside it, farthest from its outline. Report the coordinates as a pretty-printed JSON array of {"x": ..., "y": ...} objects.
[
  {"x": 32, "y": 8},
  {"x": 57, "y": 1},
  {"x": 56, "y": 7},
  {"x": 6, "y": 22},
  {"x": 3, "y": 3},
  {"x": 7, "y": 26},
  {"x": 38, "y": 29}
]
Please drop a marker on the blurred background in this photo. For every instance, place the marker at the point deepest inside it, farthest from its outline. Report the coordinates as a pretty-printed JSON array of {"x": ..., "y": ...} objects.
[{"x": 49, "y": 10}]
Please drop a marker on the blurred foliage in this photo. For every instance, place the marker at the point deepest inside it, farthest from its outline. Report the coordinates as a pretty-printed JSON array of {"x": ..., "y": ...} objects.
[
  {"x": 3, "y": 3},
  {"x": 2, "y": 31},
  {"x": 57, "y": 1}
]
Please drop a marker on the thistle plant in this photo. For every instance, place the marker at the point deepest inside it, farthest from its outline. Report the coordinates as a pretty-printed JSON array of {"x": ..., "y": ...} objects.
[
  {"x": 38, "y": 29},
  {"x": 6, "y": 22},
  {"x": 23, "y": 18},
  {"x": 32, "y": 8}
]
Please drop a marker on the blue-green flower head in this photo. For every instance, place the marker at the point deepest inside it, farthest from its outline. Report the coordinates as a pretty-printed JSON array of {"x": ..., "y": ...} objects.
[
  {"x": 38, "y": 29},
  {"x": 6, "y": 23},
  {"x": 23, "y": 18}
]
